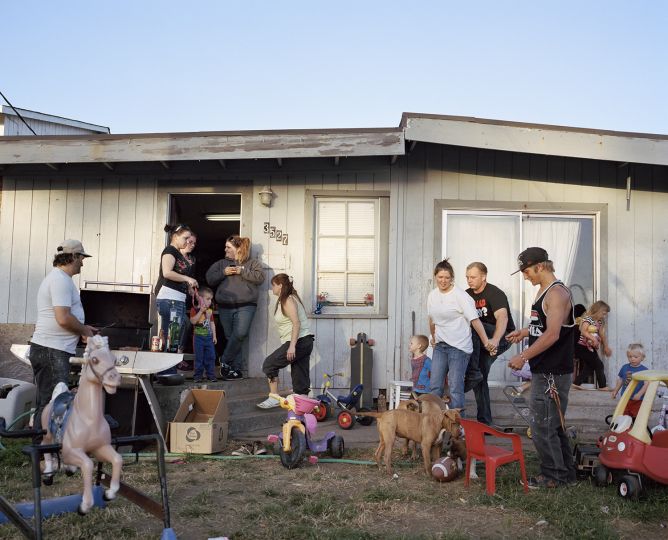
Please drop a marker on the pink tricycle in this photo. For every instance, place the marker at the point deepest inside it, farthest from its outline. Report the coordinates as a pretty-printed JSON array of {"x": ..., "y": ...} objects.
[{"x": 299, "y": 430}]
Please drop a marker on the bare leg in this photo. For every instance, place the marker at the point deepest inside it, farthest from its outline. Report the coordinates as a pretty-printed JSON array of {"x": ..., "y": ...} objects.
[
  {"x": 273, "y": 385},
  {"x": 108, "y": 454}
]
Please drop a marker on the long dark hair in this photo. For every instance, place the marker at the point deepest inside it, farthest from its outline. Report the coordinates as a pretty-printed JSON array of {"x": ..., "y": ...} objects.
[
  {"x": 287, "y": 290},
  {"x": 177, "y": 230}
]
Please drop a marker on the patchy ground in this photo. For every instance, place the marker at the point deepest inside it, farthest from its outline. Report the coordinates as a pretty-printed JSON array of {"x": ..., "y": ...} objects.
[{"x": 257, "y": 498}]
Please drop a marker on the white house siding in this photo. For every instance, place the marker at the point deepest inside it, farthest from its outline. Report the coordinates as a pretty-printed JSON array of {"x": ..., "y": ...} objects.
[
  {"x": 634, "y": 273},
  {"x": 119, "y": 217}
]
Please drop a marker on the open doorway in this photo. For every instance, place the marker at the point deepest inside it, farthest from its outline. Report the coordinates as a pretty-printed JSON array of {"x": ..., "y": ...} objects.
[{"x": 213, "y": 217}]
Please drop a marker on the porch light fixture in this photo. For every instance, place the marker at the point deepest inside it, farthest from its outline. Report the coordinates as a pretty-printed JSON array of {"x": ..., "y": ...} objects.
[
  {"x": 222, "y": 217},
  {"x": 266, "y": 196}
]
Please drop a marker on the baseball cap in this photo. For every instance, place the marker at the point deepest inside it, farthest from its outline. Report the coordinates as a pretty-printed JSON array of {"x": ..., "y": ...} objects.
[
  {"x": 73, "y": 247},
  {"x": 529, "y": 257}
]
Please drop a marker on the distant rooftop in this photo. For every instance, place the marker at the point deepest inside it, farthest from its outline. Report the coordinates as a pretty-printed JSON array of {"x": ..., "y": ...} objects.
[{"x": 44, "y": 124}]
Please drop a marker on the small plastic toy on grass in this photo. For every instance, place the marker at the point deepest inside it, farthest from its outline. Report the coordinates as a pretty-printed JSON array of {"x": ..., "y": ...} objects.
[
  {"x": 297, "y": 436},
  {"x": 631, "y": 454}
]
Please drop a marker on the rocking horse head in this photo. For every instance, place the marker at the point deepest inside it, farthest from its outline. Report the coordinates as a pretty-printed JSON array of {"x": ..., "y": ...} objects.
[{"x": 99, "y": 365}]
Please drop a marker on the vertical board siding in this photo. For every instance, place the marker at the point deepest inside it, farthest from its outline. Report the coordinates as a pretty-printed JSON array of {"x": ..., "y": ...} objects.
[
  {"x": 40, "y": 252},
  {"x": 18, "y": 281},
  {"x": 7, "y": 212}
]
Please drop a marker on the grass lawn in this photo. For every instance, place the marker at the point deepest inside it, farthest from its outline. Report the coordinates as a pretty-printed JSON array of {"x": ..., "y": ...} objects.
[{"x": 257, "y": 498}]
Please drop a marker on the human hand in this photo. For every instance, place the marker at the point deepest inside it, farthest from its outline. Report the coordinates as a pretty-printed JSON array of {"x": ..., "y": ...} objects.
[
  {"x": 89, "y": 331},
  {"x": 516, "y": 362},
  {"x": 291, "y": 353},
  {"x": 614, "y": 394},
  {"x": 192, "y": 282},
  {"x": 515, "y": 336},
  {"x": 607, "y": 351},
  {"x": 231, "y": 270},
  {"x": 215, "y": 340},
  {"x": 432, "y": 341}
]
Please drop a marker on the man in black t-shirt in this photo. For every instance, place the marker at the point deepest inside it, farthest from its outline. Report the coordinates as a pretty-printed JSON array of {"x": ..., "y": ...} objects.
[{"x": 494, "y": 312}]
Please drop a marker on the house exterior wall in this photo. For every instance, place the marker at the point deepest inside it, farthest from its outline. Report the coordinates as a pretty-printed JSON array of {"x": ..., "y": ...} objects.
[
  {"x": 119, "y": 217},
  {"x": 11, "y": 126}
]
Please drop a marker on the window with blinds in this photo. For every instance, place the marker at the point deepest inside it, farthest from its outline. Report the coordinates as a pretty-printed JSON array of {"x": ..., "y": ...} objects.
[{"x": 346, "y": 252}]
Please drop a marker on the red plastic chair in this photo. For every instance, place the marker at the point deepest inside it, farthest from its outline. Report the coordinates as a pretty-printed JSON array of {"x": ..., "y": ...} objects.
[{"x": 493, "y": 456}]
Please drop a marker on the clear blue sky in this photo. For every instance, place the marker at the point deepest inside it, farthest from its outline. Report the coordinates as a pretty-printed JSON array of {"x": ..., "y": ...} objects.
[{"x": 145, "y": 66}]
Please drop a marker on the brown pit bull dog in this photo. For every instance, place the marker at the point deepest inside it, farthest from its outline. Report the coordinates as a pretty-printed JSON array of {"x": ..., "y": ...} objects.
[
  {"x": 423, "y": 428},
  {"x": 423, "y": 403}
]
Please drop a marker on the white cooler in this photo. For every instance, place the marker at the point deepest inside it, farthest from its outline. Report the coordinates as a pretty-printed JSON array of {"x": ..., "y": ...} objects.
[{"x": 16, "y": 397}]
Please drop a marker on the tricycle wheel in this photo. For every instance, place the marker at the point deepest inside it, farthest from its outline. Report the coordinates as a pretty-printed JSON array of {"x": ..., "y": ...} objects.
[
  {"x": 364, "y": 420},
  {"x": 297, "y": 449},
  {"x": 336, "y": 447},
  {"x": 602, "y": 476},
  {"x": 323, "y": 411},
  {"x": 529, "y": 433},
  {"x": 628, "y": 487},
  {"x": 345, "y": 420}
]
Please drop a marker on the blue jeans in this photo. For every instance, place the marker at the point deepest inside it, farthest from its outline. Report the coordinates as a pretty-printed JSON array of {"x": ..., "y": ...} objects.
[
  {"x": 164, "y": 307},
  {"x": 478, "y": 370},
  {"x": 552, "y": 444},
  {"x": 49, "y": 366},
  {"x": 450, "y": 361},
  {"x": 205, "y": 356},
  {"x": 236, "y": 325}
]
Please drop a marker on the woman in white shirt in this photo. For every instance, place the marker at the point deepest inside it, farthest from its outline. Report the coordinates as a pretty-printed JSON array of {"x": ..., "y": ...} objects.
[{"x": 451, "y": 313}]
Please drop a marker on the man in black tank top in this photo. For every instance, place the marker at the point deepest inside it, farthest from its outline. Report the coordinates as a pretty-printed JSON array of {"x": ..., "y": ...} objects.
[{"x": 550, "y": 356}]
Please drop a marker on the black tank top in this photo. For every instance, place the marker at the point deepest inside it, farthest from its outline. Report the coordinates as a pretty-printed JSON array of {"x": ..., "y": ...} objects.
[{"x": 558, "y": 359}]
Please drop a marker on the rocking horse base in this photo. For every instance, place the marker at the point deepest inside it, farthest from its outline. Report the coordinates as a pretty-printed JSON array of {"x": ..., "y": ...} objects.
[{"x": 56, "y": 506}]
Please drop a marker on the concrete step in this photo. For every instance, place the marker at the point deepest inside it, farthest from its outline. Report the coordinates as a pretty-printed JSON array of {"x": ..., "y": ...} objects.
[
  {"x": 247, "y": 403},
  {"x": 257, "y": 420}
]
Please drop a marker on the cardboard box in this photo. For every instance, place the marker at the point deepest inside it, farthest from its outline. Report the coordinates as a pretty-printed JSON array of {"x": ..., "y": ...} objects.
[{"x": 201, "y": 423}]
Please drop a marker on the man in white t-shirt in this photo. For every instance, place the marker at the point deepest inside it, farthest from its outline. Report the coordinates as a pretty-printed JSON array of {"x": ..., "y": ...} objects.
[{"x": 60, "y": 323}]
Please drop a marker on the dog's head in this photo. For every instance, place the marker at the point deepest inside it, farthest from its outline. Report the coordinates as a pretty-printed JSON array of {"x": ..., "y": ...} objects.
[{"x": 451, "y": 422}]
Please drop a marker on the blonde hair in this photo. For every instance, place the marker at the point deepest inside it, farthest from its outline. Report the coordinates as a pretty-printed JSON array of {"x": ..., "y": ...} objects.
[
  {"x": 636, "y": 347},
  {"x": 242, "y": 245},
  {"x": 597, "y": 306},
  {"x": 423, "y": 342}
]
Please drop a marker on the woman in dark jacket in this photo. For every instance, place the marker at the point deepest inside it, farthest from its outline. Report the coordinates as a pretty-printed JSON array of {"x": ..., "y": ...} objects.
[{"x": 236, "y": 279}]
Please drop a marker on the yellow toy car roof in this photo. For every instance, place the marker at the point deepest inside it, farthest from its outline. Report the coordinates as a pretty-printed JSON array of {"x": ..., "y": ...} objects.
[{"x": 651, "y": 375}]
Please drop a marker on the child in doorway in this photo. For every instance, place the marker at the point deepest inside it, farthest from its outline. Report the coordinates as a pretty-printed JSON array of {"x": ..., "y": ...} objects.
[
  {"x": 635, "y": 355},
  {"x": 420, "y": 364},
  {"x": 592, "y": 335},
  {"x": 204, "y": 336}
]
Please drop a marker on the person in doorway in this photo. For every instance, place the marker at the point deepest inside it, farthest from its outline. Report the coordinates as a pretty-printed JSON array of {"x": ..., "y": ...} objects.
[
  {"x": 204, "y": 336},
  {"x": 237, "y": 279},
  {"x": 59, "y": 325},
  {"x": 592, "y": 333},
  {"x": 187, "y": 333},
  {"x": 296, "y": 341},
  {"x": 451, "y": 313},
  {"x": 494, "y": 312},
  {"x": 550, "y": 357},
  {"x": 173, "y": 284}
]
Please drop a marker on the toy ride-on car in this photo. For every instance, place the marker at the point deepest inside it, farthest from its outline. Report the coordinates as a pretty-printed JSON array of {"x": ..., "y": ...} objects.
[
  {"x": 298, "y": 432},
  {"x": 631, "y": 454}
]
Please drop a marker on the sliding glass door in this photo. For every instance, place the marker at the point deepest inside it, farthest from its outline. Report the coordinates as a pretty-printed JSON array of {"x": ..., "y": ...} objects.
[{"x": 496, "y": 238}]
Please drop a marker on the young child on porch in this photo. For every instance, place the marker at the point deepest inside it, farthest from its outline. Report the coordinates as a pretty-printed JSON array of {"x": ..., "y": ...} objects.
[
  {"x": 592, "y": 335},
  {"x": 204, "y": 336},
  {"x": 420, "y": 364},
  {"x": 635, "y": 355}
]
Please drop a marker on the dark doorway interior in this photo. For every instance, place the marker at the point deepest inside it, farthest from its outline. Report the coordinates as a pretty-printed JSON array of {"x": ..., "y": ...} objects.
[{"x": 213, "y": 218}]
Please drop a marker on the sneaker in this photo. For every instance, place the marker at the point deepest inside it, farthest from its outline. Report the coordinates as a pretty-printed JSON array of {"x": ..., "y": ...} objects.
[
  {"x": 212, "y": 379},
  {"x": 197, "y": 380},
  {"x": 233, "y": 375},
  {"x": 541, "y": 482},
  {"x": 269, "y": 403},
  {"x": 224, "y": 370},
  {"x": 243, "y": 450}
]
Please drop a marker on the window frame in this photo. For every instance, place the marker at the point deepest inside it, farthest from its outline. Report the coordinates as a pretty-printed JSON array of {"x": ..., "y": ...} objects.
[{"x": 379, "y": 309}]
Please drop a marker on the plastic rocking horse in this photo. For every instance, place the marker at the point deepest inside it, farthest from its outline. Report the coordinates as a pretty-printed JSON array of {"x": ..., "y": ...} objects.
[{"x": 76, "y": 421}]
